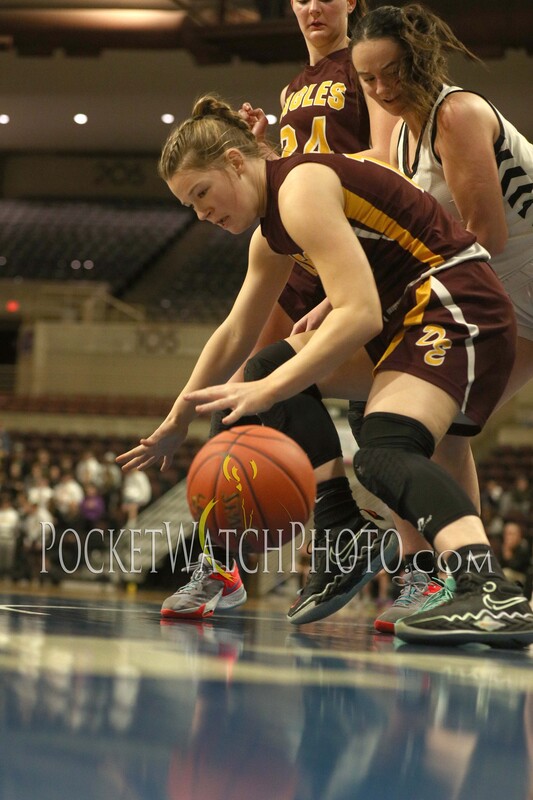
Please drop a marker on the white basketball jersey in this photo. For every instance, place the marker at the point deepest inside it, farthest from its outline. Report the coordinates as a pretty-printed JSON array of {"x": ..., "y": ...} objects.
[{"x": 514, "y": 156}]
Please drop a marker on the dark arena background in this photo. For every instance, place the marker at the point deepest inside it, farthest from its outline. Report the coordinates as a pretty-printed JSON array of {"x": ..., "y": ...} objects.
[{"x": 108, "y": 291}]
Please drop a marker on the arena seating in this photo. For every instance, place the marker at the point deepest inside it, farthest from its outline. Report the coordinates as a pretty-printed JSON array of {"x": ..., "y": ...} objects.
[
  {"x": 505, "y": 462},
  {"x": 73, "y": 445},
  {"x": 213, "y": 279},
  {"x": 87, "y": 404},
  {"x": 111, "y": 241}
]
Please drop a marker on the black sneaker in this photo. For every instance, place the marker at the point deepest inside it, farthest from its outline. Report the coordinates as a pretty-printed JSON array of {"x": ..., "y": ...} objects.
[
  {"x": 343, "y": 561},
  {"x": 484, "y": 610}
]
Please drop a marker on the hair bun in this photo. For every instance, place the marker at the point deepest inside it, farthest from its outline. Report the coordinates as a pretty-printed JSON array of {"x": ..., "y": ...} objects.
[{"x": 209, "y": 106}]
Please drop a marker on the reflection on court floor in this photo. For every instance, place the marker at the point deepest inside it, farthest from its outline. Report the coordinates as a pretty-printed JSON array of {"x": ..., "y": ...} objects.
[{"x": 100, "y": 698}]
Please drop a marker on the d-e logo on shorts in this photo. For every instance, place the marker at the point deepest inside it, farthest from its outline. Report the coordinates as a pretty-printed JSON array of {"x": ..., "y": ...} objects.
[{"x": 435, "y": 338}]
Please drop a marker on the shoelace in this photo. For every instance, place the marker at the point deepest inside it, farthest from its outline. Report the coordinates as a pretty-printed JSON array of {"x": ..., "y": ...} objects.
[
  {"x": 412, "y": 587},
  {"x": 202, "y": 569}
]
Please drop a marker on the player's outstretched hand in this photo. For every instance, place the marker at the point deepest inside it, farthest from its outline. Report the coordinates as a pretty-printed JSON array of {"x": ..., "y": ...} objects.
[
  {"x": 241, "y": 398},
  {"x": 160, "y": 446}
]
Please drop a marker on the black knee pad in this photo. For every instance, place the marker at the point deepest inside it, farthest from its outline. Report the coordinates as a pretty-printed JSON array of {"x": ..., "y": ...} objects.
[
  {"x": 267, "y": 360},
  {"x": 356, "y": 415},
  {"x": 259, "y": 366},
  {"x": 217, "y": 426},
  {"x": 303, "y": 417},
  {"x": 394, "y": 463}
]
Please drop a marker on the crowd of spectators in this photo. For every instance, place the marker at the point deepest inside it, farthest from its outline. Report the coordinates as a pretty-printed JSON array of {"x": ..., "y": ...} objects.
[
  {"x": 70, "y": 488},
  {"x": 508, "y": 517},
  {"x": 46, "y": 495}
]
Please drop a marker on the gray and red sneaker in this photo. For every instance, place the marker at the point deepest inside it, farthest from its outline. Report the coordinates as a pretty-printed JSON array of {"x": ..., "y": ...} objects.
[
  {"x": 211, "y": 586},
  {"x": 416, "y": 588}
]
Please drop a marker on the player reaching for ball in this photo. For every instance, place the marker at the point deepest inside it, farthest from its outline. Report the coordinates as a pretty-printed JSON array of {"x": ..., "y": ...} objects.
[
  {"x": 407, "y": 282},
  {"x": 323, "y": 110}
]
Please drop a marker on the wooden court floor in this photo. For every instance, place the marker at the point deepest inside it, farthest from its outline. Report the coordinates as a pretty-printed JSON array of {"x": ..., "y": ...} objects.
[{"x": 99, "y": 698}]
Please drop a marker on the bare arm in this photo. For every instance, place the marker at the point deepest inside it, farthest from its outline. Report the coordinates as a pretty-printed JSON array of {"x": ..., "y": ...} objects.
[
  {"x": 312, "y": 209},
  {"x": 226, "y": 349},
  {"x": 466, "y": 132},
  {"x": 311, "y": 204}
]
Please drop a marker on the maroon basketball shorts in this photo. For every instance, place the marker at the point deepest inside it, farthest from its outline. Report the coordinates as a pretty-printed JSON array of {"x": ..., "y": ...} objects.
[
  {"x": 303, "y": 291},
  {"x": 455, "y": 329}
]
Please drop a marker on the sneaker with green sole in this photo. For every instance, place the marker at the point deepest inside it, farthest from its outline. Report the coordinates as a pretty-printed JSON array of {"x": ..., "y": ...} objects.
[{"x": 483, "y": 610}]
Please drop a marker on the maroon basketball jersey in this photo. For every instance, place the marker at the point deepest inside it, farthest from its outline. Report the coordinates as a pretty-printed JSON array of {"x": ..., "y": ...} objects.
[
  {"x": 325, "y": 111},
  {"x": 403, "y": 230}
]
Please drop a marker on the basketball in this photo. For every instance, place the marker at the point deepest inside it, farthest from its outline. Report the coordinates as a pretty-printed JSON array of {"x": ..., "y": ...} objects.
[{"x": 251, "y": 479}]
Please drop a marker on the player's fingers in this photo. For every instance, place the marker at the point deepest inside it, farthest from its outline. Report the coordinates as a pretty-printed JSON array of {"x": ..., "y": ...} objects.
[
  {"x": 232, "y": 417},
  {"x": 148, "y": 461},
  {"x": 134, "y": 463},
  {"x": 208, "y": 392},
  {"x": 125, "y": 456},
  {"x": 167, "y": 463},
  {"x": 210, "y": 406},
  {"x": 298, "y": 327}
]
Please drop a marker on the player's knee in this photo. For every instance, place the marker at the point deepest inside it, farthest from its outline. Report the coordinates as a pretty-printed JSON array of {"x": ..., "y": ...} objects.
[
  {"x": 389, "y": 446},
  {"x": 396, "y": 432},
  {"x": 302, "y": 417},
  {"x": 394, "y": 463},
  {"x": 356, "y": 415},
  {"x": 267, "y": 360},
  {"x": 217, "y": 426}
]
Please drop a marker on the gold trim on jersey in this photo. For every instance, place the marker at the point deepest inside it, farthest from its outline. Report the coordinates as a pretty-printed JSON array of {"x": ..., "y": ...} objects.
[
  {"x": 358, "y": 209},
  {"x": 414, "y": 316}
]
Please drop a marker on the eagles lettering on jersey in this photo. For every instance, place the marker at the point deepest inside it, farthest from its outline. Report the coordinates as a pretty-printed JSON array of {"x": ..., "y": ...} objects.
[
  {"x": 332, "y": 94},
  {"x": 328, "y": 93},
  {"x": 324, "y": 109}
]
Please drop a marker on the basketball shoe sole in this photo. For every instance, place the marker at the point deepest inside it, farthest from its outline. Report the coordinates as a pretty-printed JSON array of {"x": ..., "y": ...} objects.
[{"x": 490, "y": 611}]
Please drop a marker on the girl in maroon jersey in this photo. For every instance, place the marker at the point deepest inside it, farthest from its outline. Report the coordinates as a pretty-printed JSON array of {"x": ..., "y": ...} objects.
[
  {"x": 407, "y": 282},
  {"x": 323, "y": 110}
]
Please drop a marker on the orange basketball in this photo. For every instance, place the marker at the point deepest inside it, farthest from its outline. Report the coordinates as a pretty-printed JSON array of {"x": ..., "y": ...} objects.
[{"x": 251, "y": 480}]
